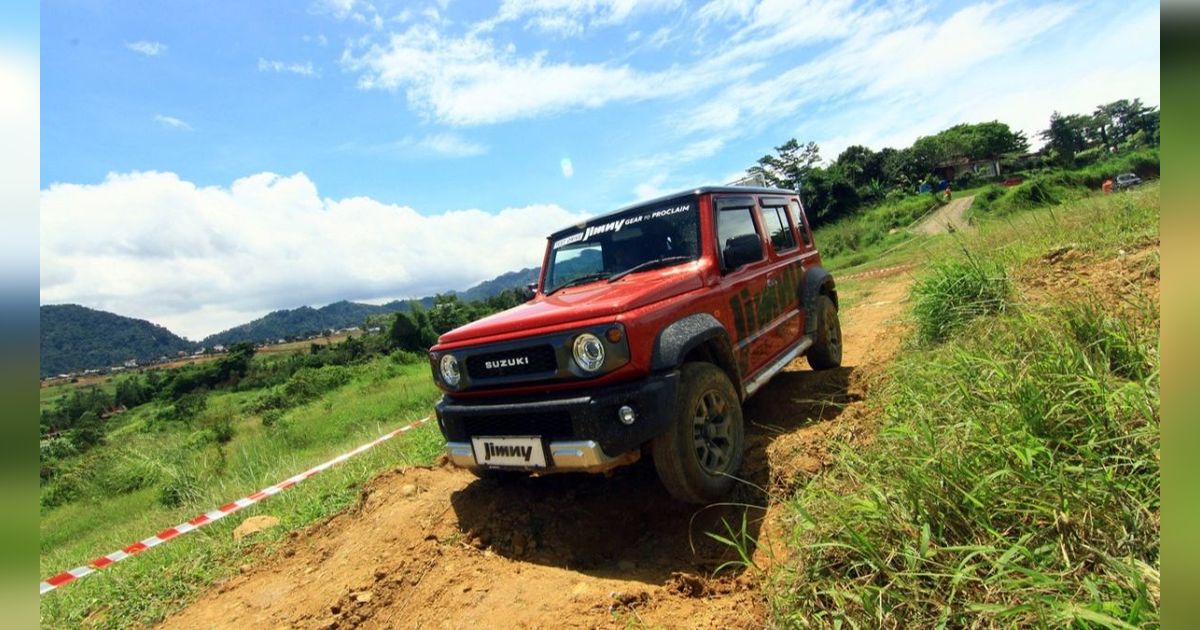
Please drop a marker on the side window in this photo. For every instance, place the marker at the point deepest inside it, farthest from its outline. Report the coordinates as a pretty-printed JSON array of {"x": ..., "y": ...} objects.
[
  {"x": 798, "y": 218},
  {"x": 737, "y": 237},
  {"x": 776, "y": 222}
]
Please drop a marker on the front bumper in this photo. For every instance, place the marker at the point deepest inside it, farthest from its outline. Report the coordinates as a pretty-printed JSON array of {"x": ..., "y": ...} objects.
[{"x": 580, "y": 431}]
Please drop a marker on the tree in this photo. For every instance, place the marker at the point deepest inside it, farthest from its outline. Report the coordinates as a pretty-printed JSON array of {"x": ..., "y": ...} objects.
[
  {"x": 1065, "y": 136},
  {"x": 447, "y": 313},
  {"x": 790, "y": 165},
  {"x": 404, "y": 333},
  {"x": 88, "y": 432}
]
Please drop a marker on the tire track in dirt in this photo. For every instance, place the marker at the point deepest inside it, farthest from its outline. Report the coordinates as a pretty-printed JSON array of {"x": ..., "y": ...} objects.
[
  {"x": 951, "y": 217},
  {"x": 437, "y": 548}
]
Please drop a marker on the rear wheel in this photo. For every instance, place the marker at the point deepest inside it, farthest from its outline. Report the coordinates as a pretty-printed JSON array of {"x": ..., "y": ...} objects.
[
  {"x": 826, "y": 350},
  {"x": 703, "y": 448}
]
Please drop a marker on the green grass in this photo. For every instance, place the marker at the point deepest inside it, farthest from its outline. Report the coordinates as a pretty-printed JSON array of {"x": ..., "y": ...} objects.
[
  {"x": 1015, "y": 477},
  {"x": 952, "y": 292},
  {"x": 121, "y": 494}
]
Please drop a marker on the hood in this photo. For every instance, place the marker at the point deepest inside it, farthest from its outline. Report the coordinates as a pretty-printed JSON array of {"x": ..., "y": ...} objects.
[{"x": 584, "y": 302}]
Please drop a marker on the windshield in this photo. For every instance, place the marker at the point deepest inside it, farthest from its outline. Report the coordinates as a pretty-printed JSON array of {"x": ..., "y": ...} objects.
[{"x": 604, "y": 248}]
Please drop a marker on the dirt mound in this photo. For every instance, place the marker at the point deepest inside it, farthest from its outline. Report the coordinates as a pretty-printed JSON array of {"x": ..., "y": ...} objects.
[{"x": 436, "y": 547}]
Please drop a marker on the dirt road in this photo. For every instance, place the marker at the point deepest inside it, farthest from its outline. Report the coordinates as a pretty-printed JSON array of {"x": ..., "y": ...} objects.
[
  {"x": 951, "y": 217},
  {"x": 436, "y": 548}
]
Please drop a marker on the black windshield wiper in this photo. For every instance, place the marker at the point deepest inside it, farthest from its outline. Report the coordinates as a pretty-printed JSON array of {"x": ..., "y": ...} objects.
[
  {"x": 591, "y": 277},
  {"x": 649, "y": 264}
]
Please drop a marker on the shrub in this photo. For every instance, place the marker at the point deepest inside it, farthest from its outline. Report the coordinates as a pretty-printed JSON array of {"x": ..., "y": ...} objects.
[
  {"x": 222, "y": 429},
  {"x": 182, "y": 487},
  {"x": 271, "y": 417},
  {"x": 125, "y": 473},
  {"x": 404, "y": 357},
  {"x": 953, "y": 292}
]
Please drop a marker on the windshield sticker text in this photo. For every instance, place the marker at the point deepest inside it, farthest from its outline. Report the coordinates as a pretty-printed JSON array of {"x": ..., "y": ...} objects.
[{"x": 615, "y": 226}]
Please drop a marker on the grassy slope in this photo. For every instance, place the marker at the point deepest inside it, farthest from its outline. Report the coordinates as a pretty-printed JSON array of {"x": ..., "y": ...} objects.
[
  {"x": 1014, "y": 480},
  {"x": 116, "y": 511}
]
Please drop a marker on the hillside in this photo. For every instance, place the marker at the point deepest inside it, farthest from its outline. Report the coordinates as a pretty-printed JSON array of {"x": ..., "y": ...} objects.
[
  {"x": 304, "y": 320},
  {"x": 510, "y": 280},
  {"x": 74, "y": 338}
]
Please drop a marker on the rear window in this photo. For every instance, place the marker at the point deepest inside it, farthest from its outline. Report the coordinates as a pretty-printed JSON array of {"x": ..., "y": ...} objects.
[{"x": 779, "y": 229}]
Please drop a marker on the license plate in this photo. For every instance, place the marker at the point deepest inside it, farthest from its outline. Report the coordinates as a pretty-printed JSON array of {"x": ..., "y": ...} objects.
[{"x": 519, "y": 452}]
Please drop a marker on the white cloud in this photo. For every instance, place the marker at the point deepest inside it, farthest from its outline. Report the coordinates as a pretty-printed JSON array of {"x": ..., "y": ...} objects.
[
  {"x": 172, "y": 122},
  {"x": 651, "y": 188},
  {"x": 469, "y": 81},
  {"x": 304, "y": 69},
  {"x": 451, "y": 145},
  {"x": 202, "y": 259},
  {"x": 571, "y": 17},
  {"x": 880, "y": 75},
  {"x": 568, "y": 169},
  {"x": 436, "y": 145},
  {"x": 690, "y": 152},
  {"x": 150, "y": 49}
]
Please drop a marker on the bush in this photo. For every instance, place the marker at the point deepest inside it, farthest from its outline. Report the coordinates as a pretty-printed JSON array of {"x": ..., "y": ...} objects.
[
  {"x": 954, "y": 292},
  {"x": 271, "y": 417},
  {"x": 125, "y": 473},
  {"x": 182, "y": 487},
  {"x": 62, "y": 490},
  {"x": 404, "y": 357},
  {"x": 222, "y": 429}
]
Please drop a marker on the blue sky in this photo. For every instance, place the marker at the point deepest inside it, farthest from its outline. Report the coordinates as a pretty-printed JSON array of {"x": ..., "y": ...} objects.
[{"x": 204, "y": 163}]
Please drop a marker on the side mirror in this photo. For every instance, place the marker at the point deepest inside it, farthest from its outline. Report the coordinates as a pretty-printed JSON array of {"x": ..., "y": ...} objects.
[
  {"x": 742, "y": 250},
  {"x": 529, "y": 291}
]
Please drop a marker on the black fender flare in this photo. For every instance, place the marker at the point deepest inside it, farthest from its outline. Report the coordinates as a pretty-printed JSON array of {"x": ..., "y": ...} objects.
[
  {"x": 816, "y": 281},
  {"x": 679, "y": 338}
]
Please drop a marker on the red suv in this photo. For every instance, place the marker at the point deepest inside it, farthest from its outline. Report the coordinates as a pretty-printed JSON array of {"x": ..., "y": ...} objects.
[{"x": 647, "y": 329}]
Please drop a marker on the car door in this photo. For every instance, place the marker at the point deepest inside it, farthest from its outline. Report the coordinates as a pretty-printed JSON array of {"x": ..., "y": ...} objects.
[
  {"x": 743, "y": 261},
  {"x": 781, "y": 302}
]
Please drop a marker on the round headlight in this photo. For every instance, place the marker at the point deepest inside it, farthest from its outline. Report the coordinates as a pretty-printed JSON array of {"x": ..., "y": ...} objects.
[
  {"x": 589, "y": 352},
  {"x": 449, "y": 368}
]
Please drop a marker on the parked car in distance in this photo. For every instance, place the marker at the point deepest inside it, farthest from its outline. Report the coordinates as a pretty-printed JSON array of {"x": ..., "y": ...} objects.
[{"x": 1126, "y": 180}]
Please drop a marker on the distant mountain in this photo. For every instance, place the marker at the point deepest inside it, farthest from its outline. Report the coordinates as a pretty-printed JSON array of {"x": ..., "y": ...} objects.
[
  {"x": 510, "y": 280},
  {"x": 303, "y": 321},
  {"x": 306, "y": 320},
  {"x": 75, "y": 338}
]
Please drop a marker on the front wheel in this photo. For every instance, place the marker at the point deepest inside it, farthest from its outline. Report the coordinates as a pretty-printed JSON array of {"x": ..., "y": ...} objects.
[
  {"x": 699, "y": 454},
  {"x": 826, "y": 350}
]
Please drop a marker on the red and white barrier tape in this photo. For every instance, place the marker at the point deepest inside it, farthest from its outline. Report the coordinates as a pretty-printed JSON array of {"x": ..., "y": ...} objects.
[{"x": 66, "y": 577}]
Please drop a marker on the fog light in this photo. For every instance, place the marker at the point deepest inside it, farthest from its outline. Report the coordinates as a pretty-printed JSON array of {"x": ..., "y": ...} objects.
[{"x": 626, "y": 415}]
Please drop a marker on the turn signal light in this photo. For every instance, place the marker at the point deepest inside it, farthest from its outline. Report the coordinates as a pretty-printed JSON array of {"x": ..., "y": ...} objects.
[{"x": 613, "y": 335}]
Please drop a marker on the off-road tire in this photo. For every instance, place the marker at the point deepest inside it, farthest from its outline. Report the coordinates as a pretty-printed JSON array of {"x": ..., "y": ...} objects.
[
  {"x": 826, "y": 350},
  {"x": 677, "y": 456}
]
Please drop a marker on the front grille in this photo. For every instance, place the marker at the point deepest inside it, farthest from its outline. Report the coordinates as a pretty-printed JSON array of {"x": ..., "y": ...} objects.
[
  {"x": 546, "y": 424},
  {"x": 520, "y": 362}
]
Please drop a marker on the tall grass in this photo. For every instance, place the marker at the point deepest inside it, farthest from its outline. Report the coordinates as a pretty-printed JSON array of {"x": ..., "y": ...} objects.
[
  {"x": 1015, "y": 483},
  {"x": 952, "y": 292},
  {"x": 1015, "y": 479}
]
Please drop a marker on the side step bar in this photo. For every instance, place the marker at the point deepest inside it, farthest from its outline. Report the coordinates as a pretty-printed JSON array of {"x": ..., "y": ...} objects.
[{"x": 779, "y": 364}]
